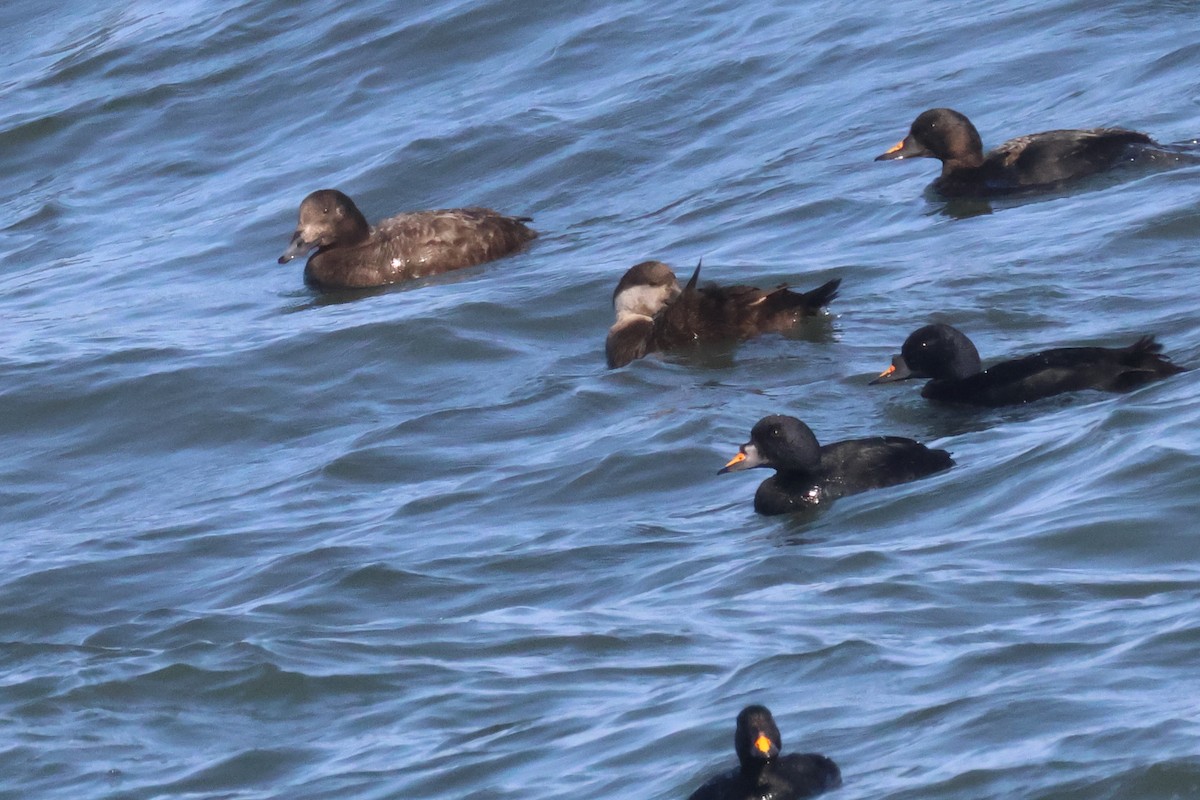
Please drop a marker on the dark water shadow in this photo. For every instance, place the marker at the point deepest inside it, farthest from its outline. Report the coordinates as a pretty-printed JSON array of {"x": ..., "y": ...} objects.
[
  {"x": 795, "y": 529},
  {"x": 949, "y": 420},
  {"x": 958, "y": 207}
]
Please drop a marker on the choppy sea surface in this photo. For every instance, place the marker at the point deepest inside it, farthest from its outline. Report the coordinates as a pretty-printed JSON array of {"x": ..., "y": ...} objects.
[{"x": 420, "y": 543}]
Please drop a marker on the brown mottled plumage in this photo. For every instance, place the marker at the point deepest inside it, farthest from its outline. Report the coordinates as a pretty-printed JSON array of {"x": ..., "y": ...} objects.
[
  {"x": 352, "y": 254},
  {"x": 653, "y": 313}
]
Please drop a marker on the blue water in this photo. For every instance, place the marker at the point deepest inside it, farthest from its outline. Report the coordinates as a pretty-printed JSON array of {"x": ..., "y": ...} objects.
[{"x": 420, "y": 543}]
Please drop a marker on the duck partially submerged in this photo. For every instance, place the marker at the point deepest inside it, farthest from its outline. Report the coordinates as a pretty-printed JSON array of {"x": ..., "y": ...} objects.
[
  {"x": 654, "y": 313},
  {"x": 350, "y": 254},
  {"x": 762, "y": 773}
]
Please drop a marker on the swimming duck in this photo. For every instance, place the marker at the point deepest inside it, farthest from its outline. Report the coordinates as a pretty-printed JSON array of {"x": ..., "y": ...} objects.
[
  {"x": 949, "y": 359},
  {"x": 654, "y": 313},
  {"x": 643, "y": 291},
  {"x": 351, "y": 254},
  {"x": 763, "y": 774},
  {"x": 808, "y": 474},
  {"x": 1027, "y": 162}
]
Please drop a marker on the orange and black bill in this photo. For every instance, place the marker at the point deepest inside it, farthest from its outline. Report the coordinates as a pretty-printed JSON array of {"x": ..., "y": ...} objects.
[
  {"x": 746, "y": 458},
  {"x": 898, "y": 371},
  {"x": 905, "y": 148},
  {"x": 765, "y": 746}
]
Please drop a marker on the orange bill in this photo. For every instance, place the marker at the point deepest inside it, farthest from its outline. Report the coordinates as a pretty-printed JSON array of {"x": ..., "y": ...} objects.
[
  {"x": 739, "y": 458},
  {"x": 763, "y": 744},
  {"x": 887, "y": 372},
  {"x": 894, "y": 147}
]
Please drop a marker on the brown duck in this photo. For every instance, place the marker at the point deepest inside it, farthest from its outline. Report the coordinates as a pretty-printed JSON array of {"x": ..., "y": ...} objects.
[
  {"x": 350, "y": 254},
  {"x": 653, "y": 313}
]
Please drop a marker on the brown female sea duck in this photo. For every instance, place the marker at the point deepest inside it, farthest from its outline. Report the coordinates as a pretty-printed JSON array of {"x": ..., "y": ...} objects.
[
  {"x": 351, "y": 254},
  {"x": 653, "y": 313}
]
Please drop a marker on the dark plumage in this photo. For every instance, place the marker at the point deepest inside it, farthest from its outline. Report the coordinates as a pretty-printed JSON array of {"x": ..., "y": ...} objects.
[
  {"x": 351, "y": 254},
  {"x": 808, "y": 474},
  {"x": 653, "y": 313},
  {"x": 949, "y": 359},
  {"x": 1027, "y": 162},
  {"x": 762, "y": 773}
]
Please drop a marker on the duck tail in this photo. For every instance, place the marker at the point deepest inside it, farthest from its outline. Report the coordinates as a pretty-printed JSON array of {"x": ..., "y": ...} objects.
[
  {"x": 691, "y": 284},
  {"x": 1146, "y": 353},
  {"x": 822, "y": 295},
  {"x": 1144, "y": 362},
  {"x": 782, "y": 300}
]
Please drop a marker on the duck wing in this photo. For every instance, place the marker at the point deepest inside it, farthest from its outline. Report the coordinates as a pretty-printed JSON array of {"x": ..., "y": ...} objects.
[
  {"x": 1053, "y": 156},
  {"x": 1063, "y": 369},
  {"x": 429, "y": 242}
]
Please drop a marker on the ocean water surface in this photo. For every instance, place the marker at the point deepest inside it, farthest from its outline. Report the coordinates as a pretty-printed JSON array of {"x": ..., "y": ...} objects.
[{"x": 420, "y": 543}]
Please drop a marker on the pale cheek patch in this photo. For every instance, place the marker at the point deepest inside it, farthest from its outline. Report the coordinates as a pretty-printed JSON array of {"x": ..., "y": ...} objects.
[{"x": 643, "y": 300}]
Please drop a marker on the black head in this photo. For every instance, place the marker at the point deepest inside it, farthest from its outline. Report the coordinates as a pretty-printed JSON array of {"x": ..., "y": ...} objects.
[
  {"x": 327, "y": 218},
  {"x": 645, "y": 288},
  {"x": 940, "y": 352},
  {"x": 940, "y": 133},
  {"x": 756, "y": 740},
  {"x": 780, "y": 442}
]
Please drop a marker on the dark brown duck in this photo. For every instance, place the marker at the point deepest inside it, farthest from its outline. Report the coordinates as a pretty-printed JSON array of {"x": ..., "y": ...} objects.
[
  {"x": 653, "y": 313},
  {"x": 350, "y": 254},
  {"x": 1039, "y": 160}
]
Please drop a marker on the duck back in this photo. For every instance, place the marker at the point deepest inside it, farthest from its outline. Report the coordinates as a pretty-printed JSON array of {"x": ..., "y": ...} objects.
[
  {"x": 849, "y": 467},
  {"x": 1051, "y": 372},
  {"x": 720, "y": 313},
  {"x": 857, "y": 465},
  {"x": 1043, "y": 160},
  {"x": 417, "y": 245}
]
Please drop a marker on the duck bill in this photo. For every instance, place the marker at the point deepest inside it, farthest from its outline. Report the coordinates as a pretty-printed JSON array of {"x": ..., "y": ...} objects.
[
  {"x": 747, "y": 458},
  {"x": 297, "y": 247},
  {"x": 905, "y": 148},
  {"x": 765, "y": 748},
  {"x": 898, "y": 371}
]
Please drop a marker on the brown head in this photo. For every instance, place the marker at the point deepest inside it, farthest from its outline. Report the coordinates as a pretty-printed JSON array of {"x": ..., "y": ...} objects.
[
  {"x": 940, "y": 133},
  {"x": 328, "y": 218},
  {"x": 644, "y": 289}
]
